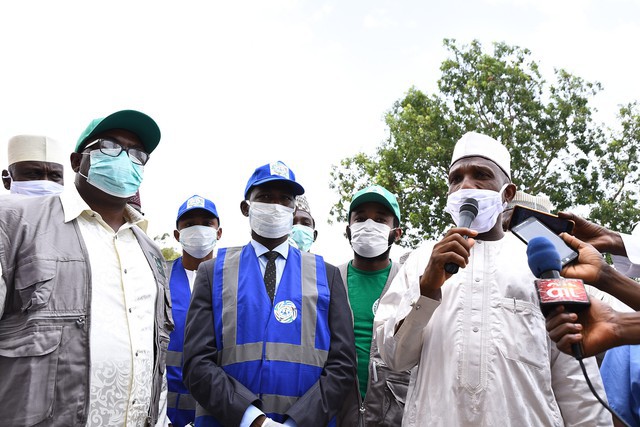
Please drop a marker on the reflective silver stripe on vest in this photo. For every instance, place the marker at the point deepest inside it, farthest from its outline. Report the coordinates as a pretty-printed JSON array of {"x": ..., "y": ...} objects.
[
  {"x": 187, "y": 402},
  {"x": 174, "y": 358},
  {"x": 276, "y": 351},
  {"x": 306, "y": 353},
  {"x": 278, "y": 404}
]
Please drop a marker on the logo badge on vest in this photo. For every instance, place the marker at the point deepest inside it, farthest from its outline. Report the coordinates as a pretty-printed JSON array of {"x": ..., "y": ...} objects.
[{"x": 285, "y": 311}]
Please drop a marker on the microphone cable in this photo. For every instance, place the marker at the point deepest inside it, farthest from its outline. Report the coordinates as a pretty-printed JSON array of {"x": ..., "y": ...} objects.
[{"x": 577, "y": 352}]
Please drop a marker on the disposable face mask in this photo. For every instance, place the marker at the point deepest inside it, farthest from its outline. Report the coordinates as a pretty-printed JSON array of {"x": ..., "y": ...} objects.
[
  {"x": 117, "y": 176},
  {"x": 198, "y": 240},
  {"x": 490, "y": 206},
  {"x": 36, "y": 188},
  {"x": 270, "y": 220},
  {"x": 302, "y": 236},
  {"x": 369, "y": 238}
]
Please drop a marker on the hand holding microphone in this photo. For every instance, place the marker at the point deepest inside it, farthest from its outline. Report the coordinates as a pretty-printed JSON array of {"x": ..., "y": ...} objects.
[
  {"x": 553, "y": 290},
  {"x": 449, "y": 253},
  {"x": 468, "y": 212}
]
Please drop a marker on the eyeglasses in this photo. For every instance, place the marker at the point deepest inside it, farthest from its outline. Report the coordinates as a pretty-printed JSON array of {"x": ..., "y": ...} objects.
[{"x": 113, "y": 149}]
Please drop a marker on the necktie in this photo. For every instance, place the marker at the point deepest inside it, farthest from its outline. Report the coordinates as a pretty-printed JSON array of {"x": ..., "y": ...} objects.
[{"x": 270, "y": 274}]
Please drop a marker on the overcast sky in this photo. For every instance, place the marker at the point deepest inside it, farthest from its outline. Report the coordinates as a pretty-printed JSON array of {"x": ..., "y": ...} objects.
[{"x": 237, "y": 84}]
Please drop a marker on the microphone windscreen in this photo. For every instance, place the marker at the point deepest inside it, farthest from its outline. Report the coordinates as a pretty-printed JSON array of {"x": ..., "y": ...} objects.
[
  {"x": 542, "y": 256},
  {"x": 470, "y": 205}
]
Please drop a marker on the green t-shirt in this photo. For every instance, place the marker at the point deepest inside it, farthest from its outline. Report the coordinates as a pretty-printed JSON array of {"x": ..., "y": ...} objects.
[{"x": 365, "y": 288}]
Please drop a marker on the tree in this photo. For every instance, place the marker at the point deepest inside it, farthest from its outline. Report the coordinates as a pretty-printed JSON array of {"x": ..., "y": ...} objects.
[
  {"x": 556, "y": 147},
  {"x": 165, "y": 242}
]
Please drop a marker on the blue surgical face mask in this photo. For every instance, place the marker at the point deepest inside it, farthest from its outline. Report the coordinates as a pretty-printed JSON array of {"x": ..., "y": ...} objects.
[
  {"x": 302, "y": 237},
  {"x": 117, "y": 176}
]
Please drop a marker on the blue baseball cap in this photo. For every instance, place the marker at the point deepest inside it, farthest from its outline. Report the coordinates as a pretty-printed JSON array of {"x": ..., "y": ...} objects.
[
  {"x": 197, "y": 202},
  {"x": 276, "y": 171}
]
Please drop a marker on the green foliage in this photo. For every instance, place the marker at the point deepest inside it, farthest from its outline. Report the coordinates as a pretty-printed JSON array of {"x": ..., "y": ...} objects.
[
  {"x": 557, "y": 149},
  {"x": 166, "y": 242}
]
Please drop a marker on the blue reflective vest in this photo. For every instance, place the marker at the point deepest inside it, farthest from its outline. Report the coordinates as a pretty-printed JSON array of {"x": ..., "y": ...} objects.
[
  {"x": 181, "y": 406},
  {"x": 278, "y": 350}
]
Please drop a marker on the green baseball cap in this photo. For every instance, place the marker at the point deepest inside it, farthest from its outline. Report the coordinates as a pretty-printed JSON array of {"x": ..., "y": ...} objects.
[
  {"x": 378, "y": 194},
  {"x": 134, "y": 121}
]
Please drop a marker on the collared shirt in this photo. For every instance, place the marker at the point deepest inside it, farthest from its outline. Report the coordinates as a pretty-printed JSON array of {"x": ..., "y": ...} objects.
[
  {"x": 483, "y": 355},
  {"x": 123, "y": 294},
  {"x": 283, "y": 252}
]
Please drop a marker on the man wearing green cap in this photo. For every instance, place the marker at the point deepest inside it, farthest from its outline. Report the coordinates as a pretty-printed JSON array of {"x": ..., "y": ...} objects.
[
  {"x": 378, "y": 393},
  {"x": 84, "y": 317}
]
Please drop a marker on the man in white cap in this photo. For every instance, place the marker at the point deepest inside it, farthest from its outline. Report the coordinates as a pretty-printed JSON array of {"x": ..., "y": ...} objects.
[
  {"x": 541, "y": 202},
  {"x": 35, "y": 166},
  {"x": 478, "y": 336}
]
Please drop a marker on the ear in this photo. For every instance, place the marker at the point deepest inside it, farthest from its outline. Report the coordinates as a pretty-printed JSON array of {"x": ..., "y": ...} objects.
[
  {"x": 6, "y": 179},
  {"x": 219, "y": 232},
  {"x": 315, "y": 235},
  {"x": 244, "y": 208},
  {"x": 509, "y": 192},
  {"x": 398, "y": 234},
  {"x": 76, "y": 159},
  {"x": 348, "y": 233},
  {"x": 176, "y": 235}
]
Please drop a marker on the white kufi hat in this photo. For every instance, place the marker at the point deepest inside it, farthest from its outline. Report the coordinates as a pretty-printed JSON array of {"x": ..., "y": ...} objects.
[
  {"x": 36, "y": 148},
  {"x": 473, "y": 144}
]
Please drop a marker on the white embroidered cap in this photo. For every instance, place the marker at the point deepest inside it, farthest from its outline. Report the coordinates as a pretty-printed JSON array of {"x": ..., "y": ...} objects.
[
  {"x": 540, "y": 202},
  {"x": 473, "y": 144},
  {"x": 37, "y": 148}
]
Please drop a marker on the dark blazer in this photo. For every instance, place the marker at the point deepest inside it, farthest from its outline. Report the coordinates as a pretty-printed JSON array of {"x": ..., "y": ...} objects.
[{"x": 227, "y": 399}]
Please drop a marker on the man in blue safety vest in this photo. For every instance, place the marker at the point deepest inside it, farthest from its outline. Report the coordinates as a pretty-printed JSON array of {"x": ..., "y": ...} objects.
[
  {"x": 268, "y": 337},
  {"x": 197, "y": 229}
]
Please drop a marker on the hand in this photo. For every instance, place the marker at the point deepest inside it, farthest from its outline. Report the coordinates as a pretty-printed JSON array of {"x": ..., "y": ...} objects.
[
  {"x": 590, "y": 264},
  {"x": 596, "y": 330},
  {"x": 603, "y": 239},
  {"x": 452, "y": 248}
]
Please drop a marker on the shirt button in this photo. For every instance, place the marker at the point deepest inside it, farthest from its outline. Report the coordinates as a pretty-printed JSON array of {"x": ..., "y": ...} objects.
[
  {"x": 125, "y": 271},
  {"x": 475, "y": 329},
  {"x": 477, "y": 279},
  {"x": 130, "y": 310}
]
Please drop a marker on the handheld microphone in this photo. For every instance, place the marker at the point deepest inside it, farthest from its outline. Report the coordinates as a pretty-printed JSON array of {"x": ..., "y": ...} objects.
[
  {"x": 553, "y": 290},
  {"x": 468, "y": 212}
]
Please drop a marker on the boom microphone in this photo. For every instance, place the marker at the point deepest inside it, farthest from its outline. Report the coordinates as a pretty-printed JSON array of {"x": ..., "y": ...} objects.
[
  {"x": 468, "y": 212},
  {"x": 553, "y": 290}
]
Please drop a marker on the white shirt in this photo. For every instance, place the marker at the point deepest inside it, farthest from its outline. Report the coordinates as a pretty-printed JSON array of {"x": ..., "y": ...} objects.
[
  {"x": 123, "y": 295},
  {"x": 483, "y": 354}
]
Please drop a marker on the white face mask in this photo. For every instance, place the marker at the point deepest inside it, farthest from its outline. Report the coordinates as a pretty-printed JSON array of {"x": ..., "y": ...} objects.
[
  {"x": 270, "y": 220},
  {"x": 369, "y": 238},
  {"x": 490, "y": 206},
  {"x": 198, "y": 240},
  {"x": 36, "y": 188}
]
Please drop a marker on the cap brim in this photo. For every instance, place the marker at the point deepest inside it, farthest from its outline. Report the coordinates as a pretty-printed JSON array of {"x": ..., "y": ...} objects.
[
  {"x": 133, "y": 121},
  {"x": 297, "y": 188},
  {"x": 371, "y": 197}
]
